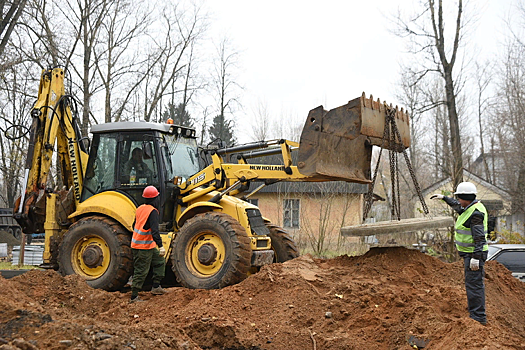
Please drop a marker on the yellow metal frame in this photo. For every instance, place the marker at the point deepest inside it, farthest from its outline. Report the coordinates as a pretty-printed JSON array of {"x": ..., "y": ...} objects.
[
  {"x": 232, "y": 206},
  {"x": 52, "y": 131},
  {"x": 112, "y": 204},
  {"x": 196, "y": 208},
  {"x": 51, "y": 90}
]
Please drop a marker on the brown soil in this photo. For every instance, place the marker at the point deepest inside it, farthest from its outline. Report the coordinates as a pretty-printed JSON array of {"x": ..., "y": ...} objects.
[
  {"x": 390, "y": 298},
  {"x": 6, "y": 237}
]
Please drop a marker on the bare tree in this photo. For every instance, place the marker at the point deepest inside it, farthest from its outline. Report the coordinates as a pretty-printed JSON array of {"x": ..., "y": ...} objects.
[
  {"x": 324, "y": 210},
  {"x": 117, "y": 63},
  {"x": 85, "y": 18},
  {"x": 510, "y": 121},
  {"x": 225, "y": 88},
  {"x": 261, "y": 125},
  {"x": 426, "y": 32},
  {"x": 483, "y": 77},
  {"x": 411, "y": 97},
  {"x": 170, "y": 56},
  {"x": 11, "y": 12},
  {"x": 14, "y": 115}
]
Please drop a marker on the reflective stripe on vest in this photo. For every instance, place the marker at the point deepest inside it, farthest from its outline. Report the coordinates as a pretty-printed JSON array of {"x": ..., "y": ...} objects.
[
  {"x": 142, "y": 239},
  {"x": 464, "y": 240}
]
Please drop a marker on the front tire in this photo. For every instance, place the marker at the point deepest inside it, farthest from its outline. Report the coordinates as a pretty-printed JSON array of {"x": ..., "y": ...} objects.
[
  {"x": 282, "y": 244},
  {"x": 212, "y": 250},
  {"x": 98, "y": 249}
]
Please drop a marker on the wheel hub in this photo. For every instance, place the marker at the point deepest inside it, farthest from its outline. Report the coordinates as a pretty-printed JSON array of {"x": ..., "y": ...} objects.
[
  {"x": 93, "y": 256},
  {"x": 207, "y": 254}
]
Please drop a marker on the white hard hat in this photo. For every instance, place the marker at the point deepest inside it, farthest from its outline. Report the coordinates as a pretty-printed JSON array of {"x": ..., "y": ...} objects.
[{"x": 466, "y": 188}]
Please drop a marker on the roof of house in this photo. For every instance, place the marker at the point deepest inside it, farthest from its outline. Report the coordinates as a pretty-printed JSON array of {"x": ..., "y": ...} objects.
[
  {"x": 467, "y": 176},
  {"x": 314, "y": 187},
  {"x": 492, "y": 154}
]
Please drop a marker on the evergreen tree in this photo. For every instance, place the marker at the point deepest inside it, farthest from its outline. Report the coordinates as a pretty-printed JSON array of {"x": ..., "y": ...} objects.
[
  {"x": 222, "y": 129},
  {"x": 179, "y": 114}
]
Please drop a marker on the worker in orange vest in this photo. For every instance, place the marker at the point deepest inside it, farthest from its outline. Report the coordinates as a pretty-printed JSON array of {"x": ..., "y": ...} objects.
[{"x": 146, "y": 245}]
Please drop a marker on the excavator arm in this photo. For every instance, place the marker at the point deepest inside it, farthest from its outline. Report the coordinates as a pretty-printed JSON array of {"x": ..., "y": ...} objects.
[
  {"x": 335, "y": 145},
  {"x": 54, "y": 131}
]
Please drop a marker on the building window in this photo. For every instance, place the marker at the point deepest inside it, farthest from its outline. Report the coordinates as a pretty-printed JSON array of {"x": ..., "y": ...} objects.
[
  {"x": 291, "y": 213},
  {"x": 253, "y": 201}
]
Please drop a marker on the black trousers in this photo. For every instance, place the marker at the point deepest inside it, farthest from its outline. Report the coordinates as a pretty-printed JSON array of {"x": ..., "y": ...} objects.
[{"x": 475, "y": 287}]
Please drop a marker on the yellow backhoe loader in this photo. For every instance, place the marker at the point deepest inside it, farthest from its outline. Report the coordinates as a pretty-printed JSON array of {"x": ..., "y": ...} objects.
[{"x": 215, "y": 238}]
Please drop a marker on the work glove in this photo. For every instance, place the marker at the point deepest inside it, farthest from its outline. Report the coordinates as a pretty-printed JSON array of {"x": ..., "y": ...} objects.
[
  {"x": 162, "y": 251},
  {"x": 437, "y": 196},
  {"x": 474, "y": 264}
]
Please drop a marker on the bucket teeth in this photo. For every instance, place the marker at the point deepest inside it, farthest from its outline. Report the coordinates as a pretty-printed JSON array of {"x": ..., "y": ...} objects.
[{"x": 401, "y": 114}]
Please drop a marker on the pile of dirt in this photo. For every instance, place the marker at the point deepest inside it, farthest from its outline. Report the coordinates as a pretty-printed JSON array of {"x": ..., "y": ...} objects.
[
  {"x": 391, "y": 298},
  {"x": 6, "y": 237}
]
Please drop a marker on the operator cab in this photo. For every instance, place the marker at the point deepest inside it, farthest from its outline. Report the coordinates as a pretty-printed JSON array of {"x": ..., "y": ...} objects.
[{"x": 128, "y": 156}]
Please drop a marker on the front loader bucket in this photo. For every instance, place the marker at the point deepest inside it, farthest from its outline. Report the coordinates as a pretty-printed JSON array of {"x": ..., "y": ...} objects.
[{"x": 338, "y": 143}]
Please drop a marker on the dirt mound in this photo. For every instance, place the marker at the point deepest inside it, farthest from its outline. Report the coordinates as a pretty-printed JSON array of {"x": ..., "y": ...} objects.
[
  {"x": 389, "y": 298},
  {"x": 6, "y": 237}
]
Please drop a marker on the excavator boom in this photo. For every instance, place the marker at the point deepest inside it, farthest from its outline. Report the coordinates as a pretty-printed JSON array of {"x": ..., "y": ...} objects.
[{"x": 53, "y": 131}]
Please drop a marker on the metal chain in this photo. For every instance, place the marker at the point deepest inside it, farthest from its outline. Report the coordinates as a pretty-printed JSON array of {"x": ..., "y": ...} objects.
[
  {"x": 411, "y": 169},
  {"x": 395, "y": 210},
  {"x": 393, "y": 168},
  {"x": 391, "y": 134}
]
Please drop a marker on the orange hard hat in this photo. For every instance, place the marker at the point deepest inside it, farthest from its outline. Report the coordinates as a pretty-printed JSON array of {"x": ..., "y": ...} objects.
[{"x": 150, "y": 192}]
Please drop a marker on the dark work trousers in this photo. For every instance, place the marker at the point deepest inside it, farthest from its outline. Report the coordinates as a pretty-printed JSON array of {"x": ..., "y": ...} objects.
[
  {"x": 475, "y": 288},
  {"x": 143, "y": 259}
]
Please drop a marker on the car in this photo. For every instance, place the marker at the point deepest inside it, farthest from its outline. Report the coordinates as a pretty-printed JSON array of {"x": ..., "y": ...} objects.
[{"x": 512, "y": 256}]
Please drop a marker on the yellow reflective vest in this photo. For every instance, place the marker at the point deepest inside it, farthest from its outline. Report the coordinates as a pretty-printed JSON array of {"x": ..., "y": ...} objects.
[{"x": 464, "y": 240}]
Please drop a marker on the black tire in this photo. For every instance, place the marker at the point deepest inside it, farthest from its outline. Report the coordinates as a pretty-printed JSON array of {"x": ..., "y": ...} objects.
[
  {"x": 217, "y": 232},
  {"x": 282, "y": 244},
  {"x": 11, "y": 232},
  {"x": 17, "y": 232},
  {"x": 98, "y": 249}
]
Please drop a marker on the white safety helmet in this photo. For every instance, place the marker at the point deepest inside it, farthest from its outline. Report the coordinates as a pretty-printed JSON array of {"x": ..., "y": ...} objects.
[{"x": 466, "y": 188}]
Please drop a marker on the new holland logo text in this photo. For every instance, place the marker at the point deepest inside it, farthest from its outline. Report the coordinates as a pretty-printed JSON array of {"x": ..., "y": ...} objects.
[
  {"x": 74, "y": 170},
  {"x": 266, "y": 167}
]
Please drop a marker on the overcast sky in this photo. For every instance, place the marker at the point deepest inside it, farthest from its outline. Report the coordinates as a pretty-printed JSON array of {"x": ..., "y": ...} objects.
[{"x": 296, "y": 55}]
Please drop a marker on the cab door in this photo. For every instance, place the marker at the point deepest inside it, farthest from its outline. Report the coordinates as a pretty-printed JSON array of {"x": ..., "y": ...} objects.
[{"x": 138, "y": 164}]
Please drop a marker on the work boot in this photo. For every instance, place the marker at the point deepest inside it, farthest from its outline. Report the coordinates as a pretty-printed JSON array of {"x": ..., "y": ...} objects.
[
  {"x": 135, "y": 300},
  {"x": 158, "y": 290}
]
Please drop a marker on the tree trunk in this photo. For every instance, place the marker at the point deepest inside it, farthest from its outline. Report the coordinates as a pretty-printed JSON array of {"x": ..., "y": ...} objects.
[{"x": 455, "y": 141}]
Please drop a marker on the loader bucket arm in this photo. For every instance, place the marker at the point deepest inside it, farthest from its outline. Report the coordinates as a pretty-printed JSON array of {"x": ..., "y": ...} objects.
[{"x": 338, "y": 143}]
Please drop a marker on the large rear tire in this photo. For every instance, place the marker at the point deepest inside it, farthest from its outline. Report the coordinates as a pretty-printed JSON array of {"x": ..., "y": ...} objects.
[
  {"x": 212, "y": 250},
  {"x": 98, "y": 249},
  {"x": 282, "y": 244}
]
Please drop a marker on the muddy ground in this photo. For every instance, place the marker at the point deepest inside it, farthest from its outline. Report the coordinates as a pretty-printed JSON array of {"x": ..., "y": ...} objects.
[{"x": 389, "y": 298}]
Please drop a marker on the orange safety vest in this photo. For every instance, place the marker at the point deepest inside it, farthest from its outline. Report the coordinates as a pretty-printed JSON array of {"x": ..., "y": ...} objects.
[{"x": 142, "y": 239}]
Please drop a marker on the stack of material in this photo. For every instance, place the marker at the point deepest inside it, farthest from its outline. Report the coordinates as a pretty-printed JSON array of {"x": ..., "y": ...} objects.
[
  {"x": 3, "y": 250},
  {"x": 33, "y": 255}
]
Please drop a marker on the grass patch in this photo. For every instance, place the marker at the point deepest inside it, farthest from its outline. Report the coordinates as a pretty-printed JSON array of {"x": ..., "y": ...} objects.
[{"x": 9, "y": 266}]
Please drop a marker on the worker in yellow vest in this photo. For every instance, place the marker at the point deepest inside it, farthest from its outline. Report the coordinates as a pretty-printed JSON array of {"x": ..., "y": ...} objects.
[
  {"x": 471, "y": 231},
  {"x": 146, "y": 245}
]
